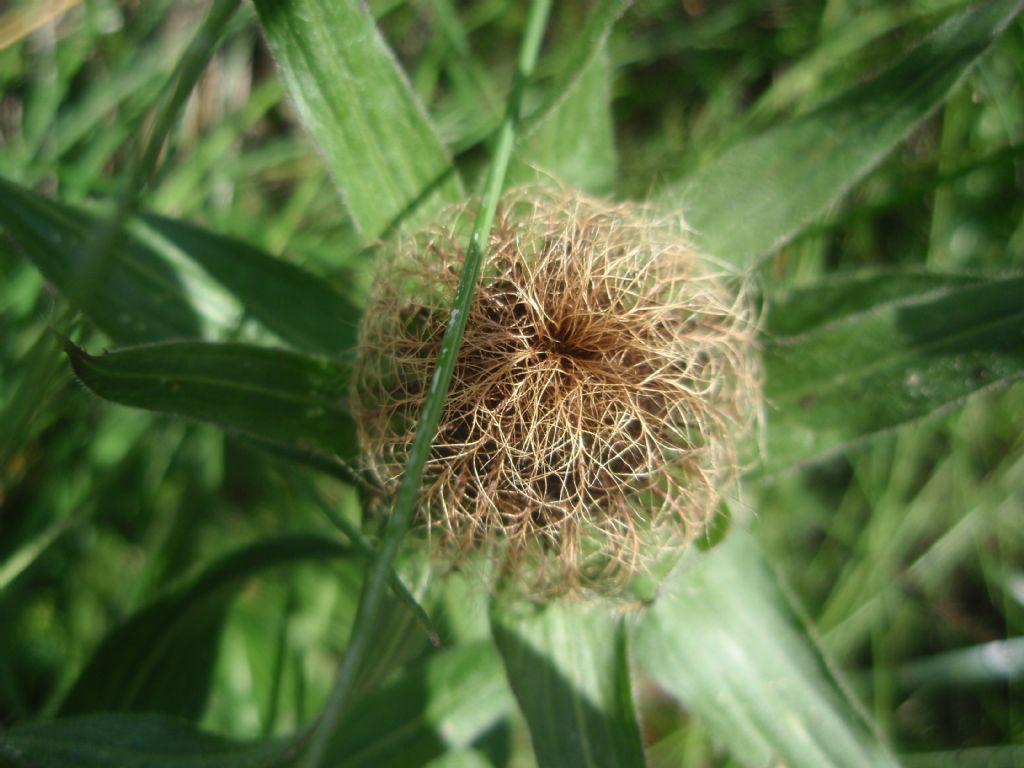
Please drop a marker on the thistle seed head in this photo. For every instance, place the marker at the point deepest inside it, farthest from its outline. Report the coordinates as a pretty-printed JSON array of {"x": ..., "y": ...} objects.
[{"x": 606, "y": 372}]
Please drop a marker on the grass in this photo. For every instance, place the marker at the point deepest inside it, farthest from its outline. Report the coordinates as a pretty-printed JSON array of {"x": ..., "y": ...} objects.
[{"x": 186, "y": 567}]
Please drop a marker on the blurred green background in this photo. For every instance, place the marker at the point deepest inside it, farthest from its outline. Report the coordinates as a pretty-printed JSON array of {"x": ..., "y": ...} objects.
[{"x": 906, "y": 554}]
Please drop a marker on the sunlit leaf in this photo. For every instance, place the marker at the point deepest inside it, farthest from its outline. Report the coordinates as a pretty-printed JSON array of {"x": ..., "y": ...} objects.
[
  {"x": 295, "y": 305},
  {"x": 568, "y": 666},
  {"x": 166, "y": 279},
  {"x": 446, "y": 703},
  {"x": 378, "y": 143},
  {"x": 133, "y": 295},
  {"x": 720, "y": 640},
  {"x": 574, "y": 141}
]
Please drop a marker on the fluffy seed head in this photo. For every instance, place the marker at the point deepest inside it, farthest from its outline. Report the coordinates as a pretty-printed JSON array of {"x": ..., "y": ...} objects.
[{"x": 604, "y": 376}]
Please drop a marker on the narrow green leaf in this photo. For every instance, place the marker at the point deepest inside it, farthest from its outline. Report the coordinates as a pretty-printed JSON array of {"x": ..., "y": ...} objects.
[
  {"x": 300, "y": 308},
  {"x": 142, "y": 298},
  {"x": 132, "y": 741},
  {"x": 889, "y": 364},
  {"x": 168, "y": 279},
  {"x": 407, "y": 494},
  {"x": 446, "y": 703},
  {"x": 573, "y": 67},
  {"x": 575, "y": 141},
  {"x": 273, "y": 394},
  {"x": 353, "y": 98},
  {"x": 999, "y": 662},
  {"x": 568, "y": 666},
  {"x": 800, "y": 310},
  {"x": 719, "y": 640},
  {"x": 758, "y": 195},
  {"x": 162, "y": 658}
]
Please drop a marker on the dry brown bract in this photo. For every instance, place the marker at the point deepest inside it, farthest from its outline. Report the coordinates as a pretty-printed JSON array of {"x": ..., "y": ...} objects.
[{"x": 605, "y": 373}]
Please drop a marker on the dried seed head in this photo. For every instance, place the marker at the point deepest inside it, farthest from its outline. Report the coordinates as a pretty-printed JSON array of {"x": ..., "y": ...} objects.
[{"x": 606, "y": 371}]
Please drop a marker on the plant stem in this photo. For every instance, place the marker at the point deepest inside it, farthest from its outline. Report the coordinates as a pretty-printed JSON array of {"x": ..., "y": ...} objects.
[{"x": 407, "y": 494}]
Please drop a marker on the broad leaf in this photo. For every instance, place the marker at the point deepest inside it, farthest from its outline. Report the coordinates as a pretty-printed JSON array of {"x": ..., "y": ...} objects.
[
  {"x": 888, "y": 364},
  {"x": 132, "y": 741},
  {"x": 719, "y": 639},
  {"x": 573, "y": 66},
  {"x": 162, "y": 658},
  {"x": 758, "y": 195},
  {"x": 284, "y": 397},
  {"x": 567, "y": 664},
  {"x": 351, "y": 95}
]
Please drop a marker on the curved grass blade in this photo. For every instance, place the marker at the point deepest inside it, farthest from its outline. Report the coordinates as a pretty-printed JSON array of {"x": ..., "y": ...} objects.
[
  {"x": 761, "y": 193},
  {"x": 280, "y": 396},
  {"x": 379, "y": 145},
  {"x": 888, "y": 364},
  {"x": 568, "y": 666},
  {"x": 407, "y": 493},
  {"x": 161, "y": 659},
  {"x": 720, "y": 641}
]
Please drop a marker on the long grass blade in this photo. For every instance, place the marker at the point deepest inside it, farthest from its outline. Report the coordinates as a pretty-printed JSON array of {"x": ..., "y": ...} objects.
[{"x": 408, "y": 489}]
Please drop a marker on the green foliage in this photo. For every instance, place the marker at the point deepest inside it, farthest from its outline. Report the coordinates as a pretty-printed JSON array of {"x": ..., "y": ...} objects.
[
  {"x": 379, "y": 144},
  {"x": 569, "y": 668},
  {"x": 760, "y": 685},
  {"x": 872, "y": 366},
  {"x": 206, "y": 265}
]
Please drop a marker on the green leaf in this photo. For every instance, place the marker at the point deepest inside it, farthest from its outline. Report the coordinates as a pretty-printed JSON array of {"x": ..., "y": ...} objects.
[
  {"x": 132, "y": 741},
  {"x": 568, "y": 666},
  {"x": 162, "y": 658},
  {"x": 719, "y": 640},
  {"x": 407, "y": 494},
  {"x": 574, "y": 66},
  {"x": 574, "y": 141},
  {"x": 272, "y": 394},
  {"x": 889, "y": 364},
  {"x": 351, "y": 95},
  {"x": 168, "y": 279},
  {"x": 761, "y": 193},
  {"x": 298, "y": 307},
  {"x": 799, "y": 310},
  {"x": 133, "y": 296},
  {"x": 447, "y": 703}
]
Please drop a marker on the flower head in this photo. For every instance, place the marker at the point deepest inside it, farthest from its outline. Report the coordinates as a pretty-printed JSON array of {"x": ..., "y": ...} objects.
[{"x": 604, "y": 376}]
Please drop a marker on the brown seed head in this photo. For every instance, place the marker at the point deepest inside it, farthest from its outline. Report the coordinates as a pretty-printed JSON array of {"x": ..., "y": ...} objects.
[{"x": 605, "y": 373}]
